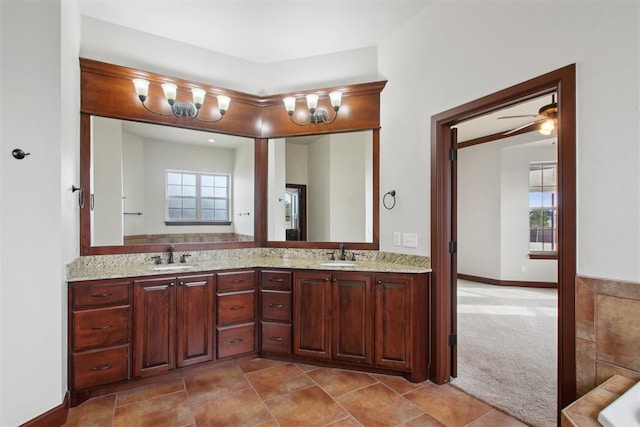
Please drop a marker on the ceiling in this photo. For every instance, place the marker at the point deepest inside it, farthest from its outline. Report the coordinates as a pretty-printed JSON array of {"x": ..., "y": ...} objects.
[{"x": 261, "y": 31}]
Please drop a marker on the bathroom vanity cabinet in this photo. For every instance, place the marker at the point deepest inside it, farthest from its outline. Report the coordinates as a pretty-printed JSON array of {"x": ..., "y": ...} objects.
[{"x": 122, "y": 330}]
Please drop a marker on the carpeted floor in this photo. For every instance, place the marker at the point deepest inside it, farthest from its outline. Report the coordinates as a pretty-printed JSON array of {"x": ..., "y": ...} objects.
[{"x": 507, "y": 349}]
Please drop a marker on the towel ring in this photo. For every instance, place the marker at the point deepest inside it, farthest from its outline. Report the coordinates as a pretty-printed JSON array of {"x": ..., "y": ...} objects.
[{"x": 391, "y": 193}]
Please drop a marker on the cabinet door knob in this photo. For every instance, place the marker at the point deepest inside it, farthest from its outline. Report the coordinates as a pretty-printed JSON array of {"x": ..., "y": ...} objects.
[{"x": 172, "y": 284}]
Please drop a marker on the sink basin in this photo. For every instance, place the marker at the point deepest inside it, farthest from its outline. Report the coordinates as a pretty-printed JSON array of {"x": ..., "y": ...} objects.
[
  {"x": 337, "y": 264},
  {"x": 624, "y": 411},
  {"x": 170, "y": 267}
]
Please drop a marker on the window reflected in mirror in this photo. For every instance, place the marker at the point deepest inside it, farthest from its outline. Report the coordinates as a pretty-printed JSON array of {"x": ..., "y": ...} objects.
[{"x": 153, "y": 184}]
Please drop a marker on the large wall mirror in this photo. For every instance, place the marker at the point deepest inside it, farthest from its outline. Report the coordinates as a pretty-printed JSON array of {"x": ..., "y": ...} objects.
[
  {"x": 321, "y": 188},
  {"x": 158, "y": 185}
]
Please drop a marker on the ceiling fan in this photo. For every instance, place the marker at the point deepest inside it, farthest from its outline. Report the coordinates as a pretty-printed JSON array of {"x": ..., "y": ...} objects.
[{"x": 546, "y": 117}]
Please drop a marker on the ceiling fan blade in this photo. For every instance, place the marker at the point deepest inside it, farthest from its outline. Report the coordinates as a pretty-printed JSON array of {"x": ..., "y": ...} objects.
[
  {"x": 520, "y": 116},
  {"x": 521, "y": 127}
]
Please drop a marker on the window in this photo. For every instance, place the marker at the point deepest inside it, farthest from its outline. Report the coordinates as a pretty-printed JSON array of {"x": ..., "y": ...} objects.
[
  {"x": 201, "y": 198},
  {"x": 542, "y": 209}
]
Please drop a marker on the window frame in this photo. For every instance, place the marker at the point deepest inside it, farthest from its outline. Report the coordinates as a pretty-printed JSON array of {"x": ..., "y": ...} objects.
[
  {"x": 545, "y": 254},
  {"x": 198, "y": 199}
]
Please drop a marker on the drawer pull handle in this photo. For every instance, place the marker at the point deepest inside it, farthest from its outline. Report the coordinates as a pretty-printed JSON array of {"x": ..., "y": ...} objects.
[
  {"x": 275, "y": 280},
  {"x": 276, "y": 338},
  {"x": 106, "y": 294},
  {"x": 237, "y": 281},
  {"x": 101, "y": 368},
  {"x": 96, "y": 328},
  {"x": 236, "y": 341},
  {"x": 236, "y": 307},
  {"x": 272, "y": 305}
]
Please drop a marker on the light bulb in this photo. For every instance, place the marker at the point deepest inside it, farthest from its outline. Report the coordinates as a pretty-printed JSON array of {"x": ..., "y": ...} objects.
[
  {"x": 289, "y": 104},
  {"x": 198, "y": 96},
  {"x": 142, "y": 88},
  {"x": 170, "y": 91},
  {"x": 312, "y": 102},
  {"x": 336, "y": 99},
  {"x": 547, "y": 127},
  {"x": 223, "y": 103}
]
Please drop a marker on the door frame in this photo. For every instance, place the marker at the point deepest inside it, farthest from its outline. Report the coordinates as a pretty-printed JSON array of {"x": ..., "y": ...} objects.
[{"x": 563, "y": 82}]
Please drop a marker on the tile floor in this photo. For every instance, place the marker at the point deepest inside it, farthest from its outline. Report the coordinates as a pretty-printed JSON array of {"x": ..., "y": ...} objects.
[{"x": 268, "y": 393}]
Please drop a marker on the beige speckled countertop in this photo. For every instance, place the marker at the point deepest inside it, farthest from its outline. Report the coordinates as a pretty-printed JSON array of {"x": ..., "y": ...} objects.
[{"x": 133, "y": 265}]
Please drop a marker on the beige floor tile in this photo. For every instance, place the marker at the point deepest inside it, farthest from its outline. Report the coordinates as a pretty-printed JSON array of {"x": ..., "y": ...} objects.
[
  {"x": 171, "y": 410},
  {"x": 496, "y": 418},
  {"x": 278, "y": 380},
  {"x": 378, "y": 405},
  {"x": 96, "y": 412},
  {"x": 215, "y": 383},
  {"x": 396, "y": 383},
  {"x": 240, "y": 408},
  {"x": 447, "y": 404},
  {"x": 150, "y": 391},
  {"x": 338, "y": 381},
  {"x": 307, "y": 407},
  {"x": 258, "y": 364}
]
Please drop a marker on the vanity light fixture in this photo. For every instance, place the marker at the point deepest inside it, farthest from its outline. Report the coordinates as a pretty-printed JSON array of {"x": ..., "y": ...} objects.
[
  {"x": 315, "y": 115},
  {"x": 178, "y": 108}
]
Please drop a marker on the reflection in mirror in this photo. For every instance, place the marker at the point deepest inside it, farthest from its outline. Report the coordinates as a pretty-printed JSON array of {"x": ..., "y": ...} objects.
[
  {"x": 153, "y": 184},
  {"x": 336, "y": 173}
]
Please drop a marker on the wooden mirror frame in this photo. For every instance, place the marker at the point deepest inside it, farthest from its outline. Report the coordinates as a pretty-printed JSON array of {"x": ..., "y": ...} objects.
[{"x": 107, "y": 91}]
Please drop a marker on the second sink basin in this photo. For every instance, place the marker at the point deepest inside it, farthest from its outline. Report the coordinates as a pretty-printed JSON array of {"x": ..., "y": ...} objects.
[
  {"x": 337, "y": 264},
  {"x": 170, "y": 267}
]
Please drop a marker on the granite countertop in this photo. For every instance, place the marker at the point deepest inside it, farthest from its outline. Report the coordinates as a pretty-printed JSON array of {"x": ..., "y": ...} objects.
[{"x": 133, "y": 265}]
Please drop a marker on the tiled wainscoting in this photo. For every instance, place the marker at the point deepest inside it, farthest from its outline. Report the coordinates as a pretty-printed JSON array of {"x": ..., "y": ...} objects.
[{"x": 607, "y": 331}]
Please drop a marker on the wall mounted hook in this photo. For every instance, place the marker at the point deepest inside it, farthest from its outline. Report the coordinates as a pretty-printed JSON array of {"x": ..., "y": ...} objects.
[
  {"x": 80, "y": 195},
  {"x": 19, "y": 154}
]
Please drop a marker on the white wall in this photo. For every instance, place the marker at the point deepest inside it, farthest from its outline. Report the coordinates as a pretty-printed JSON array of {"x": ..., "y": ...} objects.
[
  {"x": 133, "y": 184},
  {"x": 454, "y": 52},
  {"x": 243, "y": 190},
  {"x": 107, "y": 221},
  {"x": 319, "y": 192},
  {"x": 122, "y": 46},
  {"x": 276, "y": 188},
  {"x": 39, "y": 82}
]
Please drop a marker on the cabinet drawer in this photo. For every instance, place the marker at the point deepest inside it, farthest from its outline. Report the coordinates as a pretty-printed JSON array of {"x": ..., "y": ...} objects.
[
  {"x": 96, "y": 294},
  {"x": 236, "y": 280},
  {"x": 276, "y": 305},
  {"x": 275, "y": 280},
  {"x": 236, "y": 308},
  {"x": 98, "y": 367},
  {"x": 276, "y": 338},
  {"x": 100, "y": 327},
  {"x": 236, "y": 340}
]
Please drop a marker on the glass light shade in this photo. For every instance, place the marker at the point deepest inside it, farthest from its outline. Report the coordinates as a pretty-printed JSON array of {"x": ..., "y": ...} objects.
[
  {"x": 547, "y": 127},
  {"x": 312, "y": 102},
  {"x": 289, "y": 104},
  {"x": 198, "y": 95},
  {"x": 142, "y": 87},
  {"x": 169, "y": 90},
  {"x": 223, "y": 103},
  {"x": 336, "y": 99}
]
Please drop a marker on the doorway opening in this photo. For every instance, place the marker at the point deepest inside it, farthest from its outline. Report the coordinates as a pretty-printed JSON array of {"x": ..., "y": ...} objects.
[
  {"x": 444, "y": 227},
  {"x": 295, "y": 211}
]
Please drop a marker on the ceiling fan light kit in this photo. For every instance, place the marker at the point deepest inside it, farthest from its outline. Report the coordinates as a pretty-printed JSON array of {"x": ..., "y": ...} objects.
[{"x": 546, "y": 118}]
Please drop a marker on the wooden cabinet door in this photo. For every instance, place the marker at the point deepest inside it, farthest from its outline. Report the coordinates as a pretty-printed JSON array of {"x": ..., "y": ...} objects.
[
  {"x": 195, "y": 319},
  {"x": 154, "y": 325},
  {"x": 312, "y": 315},
  {"x": 393, "y": 326},
  {"x": 352, "y": 326}
]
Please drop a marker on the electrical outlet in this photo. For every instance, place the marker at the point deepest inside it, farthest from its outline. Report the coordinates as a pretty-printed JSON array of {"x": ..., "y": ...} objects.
[
  {"x": 410, "y": 240},
  {"x": 396, "y": 238}
]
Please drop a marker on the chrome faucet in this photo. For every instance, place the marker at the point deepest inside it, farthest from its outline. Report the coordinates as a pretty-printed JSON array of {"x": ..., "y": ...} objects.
[{"x": 170, "y": 259}]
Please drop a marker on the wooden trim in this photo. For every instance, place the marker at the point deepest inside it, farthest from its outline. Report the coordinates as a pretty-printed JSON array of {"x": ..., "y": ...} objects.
[
  {"x": 497, "y": 136},
  {"x": 53, "y": 417},
  {"x": 563, "y": 82},
  {"x": 543, "y": 255},
  {"x": 498, "y": 282}
]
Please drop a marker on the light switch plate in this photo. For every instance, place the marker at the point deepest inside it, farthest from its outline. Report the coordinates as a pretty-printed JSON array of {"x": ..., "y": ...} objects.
[
  {"x": 410, "y": 240},
  {"x": 396, "y": 238}
]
